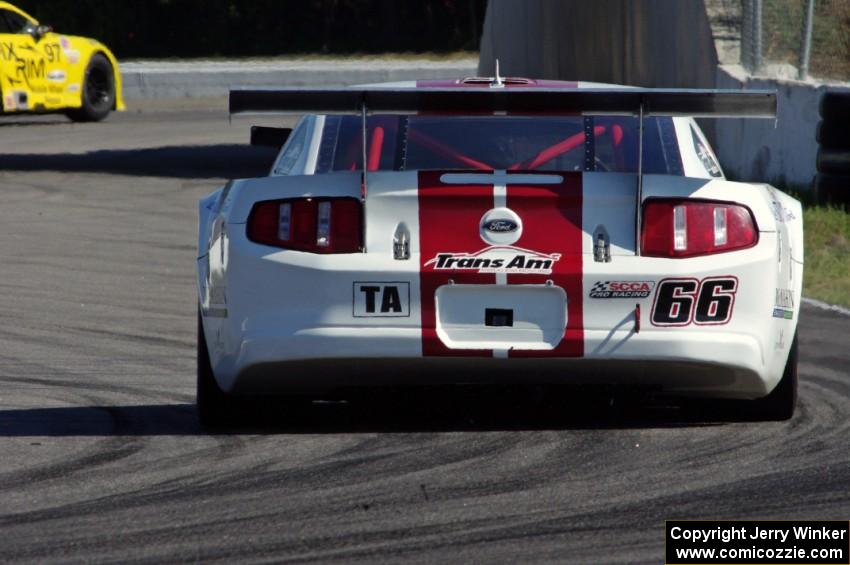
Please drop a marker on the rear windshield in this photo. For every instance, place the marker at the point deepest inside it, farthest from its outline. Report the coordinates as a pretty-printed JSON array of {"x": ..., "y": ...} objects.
[{"x": 571, "y": 143}]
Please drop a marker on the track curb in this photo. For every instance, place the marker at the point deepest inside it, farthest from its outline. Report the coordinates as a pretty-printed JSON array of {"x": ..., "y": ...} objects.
[{"x": 826, "y": 306}]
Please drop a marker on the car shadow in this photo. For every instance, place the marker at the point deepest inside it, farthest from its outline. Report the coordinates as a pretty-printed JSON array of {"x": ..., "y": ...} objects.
[
  {"x": 409, "y": 411},
  {"x": 34, "y": 121},
  {"x": 198, "y": 161}
]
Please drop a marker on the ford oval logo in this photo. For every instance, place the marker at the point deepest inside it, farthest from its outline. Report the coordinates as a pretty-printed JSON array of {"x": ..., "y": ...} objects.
[{"x": 501, "y": 226}]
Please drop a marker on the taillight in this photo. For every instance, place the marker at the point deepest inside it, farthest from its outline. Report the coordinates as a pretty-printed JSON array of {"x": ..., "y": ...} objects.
[
  {"x": 315, "y": 225},
  {"x": 687, "y": 228}
]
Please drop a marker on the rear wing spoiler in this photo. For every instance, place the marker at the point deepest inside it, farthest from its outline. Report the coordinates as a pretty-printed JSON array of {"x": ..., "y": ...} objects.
[
  {"x": 622, "y": 101},
  {"x": 639, "y": 102}
]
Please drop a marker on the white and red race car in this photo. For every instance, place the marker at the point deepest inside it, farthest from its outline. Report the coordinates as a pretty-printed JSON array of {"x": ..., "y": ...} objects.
[{"x": 499, "y": 230}]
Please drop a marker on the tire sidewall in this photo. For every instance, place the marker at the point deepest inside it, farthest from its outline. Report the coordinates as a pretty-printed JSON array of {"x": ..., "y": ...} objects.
[
  {"x": 92, "y": 110},
  {"x": 781, "y": 403},
  {"x": 213, "y": 405}
]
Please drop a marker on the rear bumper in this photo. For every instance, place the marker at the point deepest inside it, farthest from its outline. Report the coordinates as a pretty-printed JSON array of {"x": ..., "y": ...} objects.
[{"x": 325, "y": 359}]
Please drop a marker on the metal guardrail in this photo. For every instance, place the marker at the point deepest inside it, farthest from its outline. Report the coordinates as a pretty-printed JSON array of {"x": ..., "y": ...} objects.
[
  {"x": 754, "y": 28},
  {"x": 796, "y": 38}
]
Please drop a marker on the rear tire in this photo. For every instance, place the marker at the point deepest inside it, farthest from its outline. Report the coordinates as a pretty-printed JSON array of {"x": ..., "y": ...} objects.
[
  {"x": 213, "y": 405},
  {"x": 780, "y": 404},
  {"x": 98, "y": 91}
]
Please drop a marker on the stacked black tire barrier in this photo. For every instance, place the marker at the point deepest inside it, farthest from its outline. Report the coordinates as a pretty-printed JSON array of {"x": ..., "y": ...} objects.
[{"x": 832, "y": 183}]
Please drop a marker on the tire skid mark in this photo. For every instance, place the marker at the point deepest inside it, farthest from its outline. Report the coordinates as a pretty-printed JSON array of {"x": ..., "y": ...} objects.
[
  {"x": 106, "y": 451},
  {"x": 130, "y": 337},
  {"x": 100, "y": 386}
]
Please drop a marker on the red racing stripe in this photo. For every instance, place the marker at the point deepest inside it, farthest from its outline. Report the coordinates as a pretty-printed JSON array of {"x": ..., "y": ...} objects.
[
  {"x": 449, "y": 217},
  {"x": 448, "y": 223},
  {"x": 551, "y": 217}
]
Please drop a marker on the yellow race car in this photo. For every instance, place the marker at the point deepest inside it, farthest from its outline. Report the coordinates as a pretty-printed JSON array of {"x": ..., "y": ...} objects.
[{"x": 42, "y": 71}]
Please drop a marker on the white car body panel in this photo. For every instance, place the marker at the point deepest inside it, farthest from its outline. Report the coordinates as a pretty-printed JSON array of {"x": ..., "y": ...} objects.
[{"x": 282, "y": 320}]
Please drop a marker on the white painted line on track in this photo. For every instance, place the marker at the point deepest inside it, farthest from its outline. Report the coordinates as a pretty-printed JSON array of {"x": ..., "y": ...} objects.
[{"x": 825, "y": 306}]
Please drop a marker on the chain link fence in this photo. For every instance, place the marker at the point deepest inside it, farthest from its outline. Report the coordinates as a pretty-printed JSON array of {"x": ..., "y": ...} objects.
[{"x": 796, "y": 38}]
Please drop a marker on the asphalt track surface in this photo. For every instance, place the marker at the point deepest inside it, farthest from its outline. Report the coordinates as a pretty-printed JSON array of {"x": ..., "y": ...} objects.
[{"x": 101, "y": 458}]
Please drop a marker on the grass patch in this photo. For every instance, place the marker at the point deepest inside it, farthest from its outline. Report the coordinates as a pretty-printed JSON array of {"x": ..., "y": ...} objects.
[{"x": 827, "y": 262}]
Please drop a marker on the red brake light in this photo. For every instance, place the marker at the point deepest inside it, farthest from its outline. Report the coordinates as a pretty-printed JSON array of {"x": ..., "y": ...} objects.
[
  {"x": 689, "y": 228},
  {"x": 314, "y": 225}
]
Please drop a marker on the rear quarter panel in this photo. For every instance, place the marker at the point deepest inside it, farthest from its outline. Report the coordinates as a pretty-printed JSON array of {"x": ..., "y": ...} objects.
[
  {"x": 78, "y": 52},
  {"x": 770, "y": 287}
]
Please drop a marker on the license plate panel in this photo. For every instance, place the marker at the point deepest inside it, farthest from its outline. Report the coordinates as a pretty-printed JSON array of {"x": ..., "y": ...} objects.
[{"x": 477, "y": 316}]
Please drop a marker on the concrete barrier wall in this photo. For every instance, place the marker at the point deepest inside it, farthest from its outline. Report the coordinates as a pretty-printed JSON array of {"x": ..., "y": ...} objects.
[
  {"x": 783, "y": 152},
  {"x": 652, "y": 43},
  {"x": 198, "y": 79}
]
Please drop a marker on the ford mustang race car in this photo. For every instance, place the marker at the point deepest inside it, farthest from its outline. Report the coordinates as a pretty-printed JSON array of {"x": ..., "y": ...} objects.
[
  {"x": 42, "y": 71},
  {"x": 499, "y": 231}
]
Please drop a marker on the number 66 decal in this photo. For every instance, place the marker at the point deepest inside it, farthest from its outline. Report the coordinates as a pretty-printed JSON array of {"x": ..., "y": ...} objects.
[{"x": 680, "y": 302}]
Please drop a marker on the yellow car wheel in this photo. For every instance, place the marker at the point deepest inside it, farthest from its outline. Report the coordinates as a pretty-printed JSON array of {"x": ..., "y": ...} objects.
[{"x": 98, "y": 95}]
